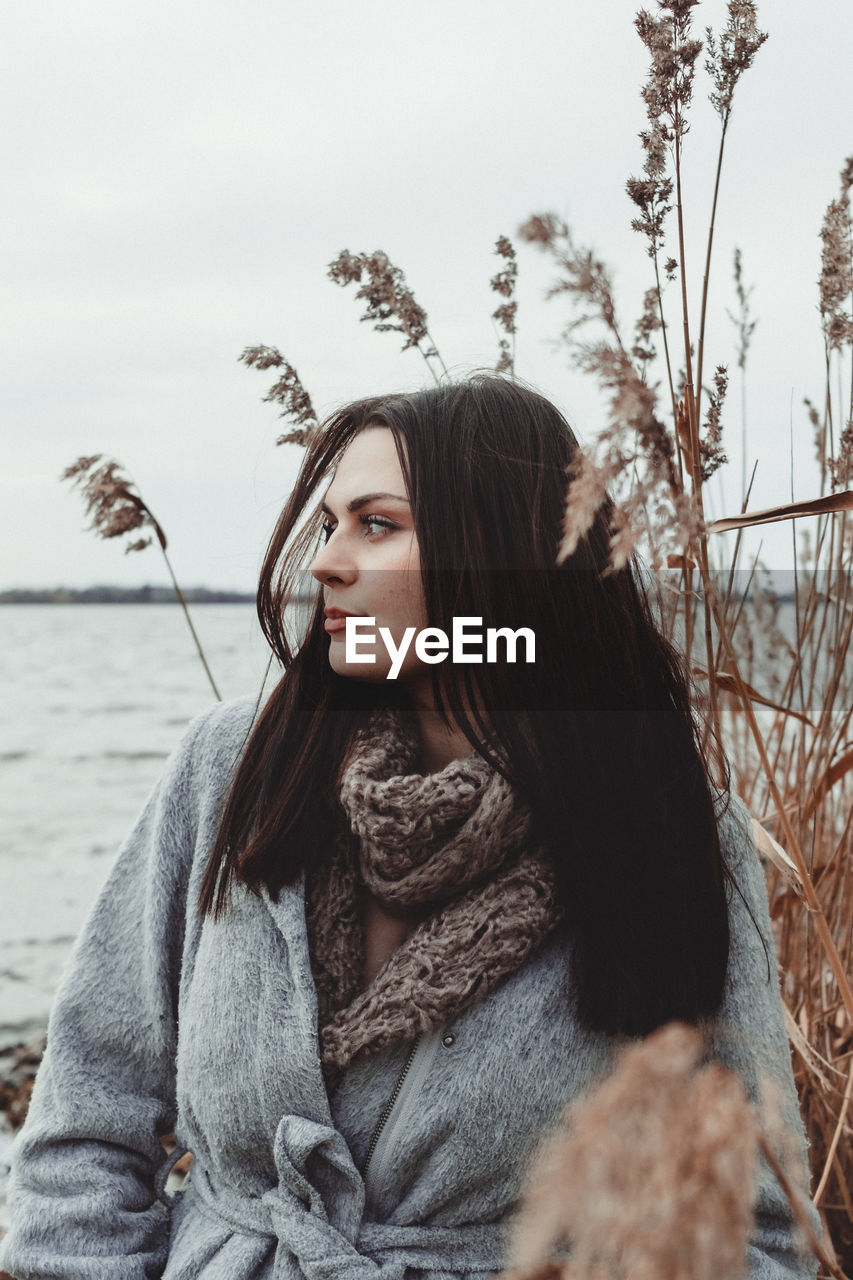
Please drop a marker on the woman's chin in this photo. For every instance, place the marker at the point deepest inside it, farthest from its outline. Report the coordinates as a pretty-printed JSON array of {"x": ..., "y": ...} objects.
[
  {"x": 376, "y": 672},
  {"x": 369, "y": 672}
]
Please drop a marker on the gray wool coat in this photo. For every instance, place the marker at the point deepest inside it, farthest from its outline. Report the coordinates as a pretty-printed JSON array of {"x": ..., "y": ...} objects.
[{"x": 165, "y": 1022}]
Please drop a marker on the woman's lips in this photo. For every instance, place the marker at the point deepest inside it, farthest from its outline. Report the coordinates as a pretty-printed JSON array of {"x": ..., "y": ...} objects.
[{"x": 339, "y": 623}]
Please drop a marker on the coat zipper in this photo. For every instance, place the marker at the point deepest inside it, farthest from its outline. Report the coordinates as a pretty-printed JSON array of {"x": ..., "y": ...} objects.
[
  {"x": 389, "y": 1105},
  {"x": 389, "y": 1128}
]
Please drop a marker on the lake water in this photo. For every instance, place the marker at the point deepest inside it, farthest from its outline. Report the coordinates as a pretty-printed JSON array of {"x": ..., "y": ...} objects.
[{"x": 94, "y": 698}]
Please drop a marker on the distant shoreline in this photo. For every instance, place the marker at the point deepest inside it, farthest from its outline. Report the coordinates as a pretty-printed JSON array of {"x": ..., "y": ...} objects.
[
  {"x": 153, "y": 595},
  {"x": 123, "y": 595}
]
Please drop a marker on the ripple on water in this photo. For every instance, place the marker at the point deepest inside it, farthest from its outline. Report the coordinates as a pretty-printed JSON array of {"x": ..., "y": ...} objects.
[
  {"x": 59, "y": 939},
  {"x": 135, "y": 755},
  {"x": 120, "y": 755},
  {"x": 111, "y": 709}
]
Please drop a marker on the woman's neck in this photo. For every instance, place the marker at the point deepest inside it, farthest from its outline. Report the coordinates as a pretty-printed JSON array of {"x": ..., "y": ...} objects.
[{"x": 439, "y": 745}]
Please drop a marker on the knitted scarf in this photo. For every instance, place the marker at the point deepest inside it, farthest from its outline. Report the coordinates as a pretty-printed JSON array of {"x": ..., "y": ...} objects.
[{"x": 446, "y": 851}]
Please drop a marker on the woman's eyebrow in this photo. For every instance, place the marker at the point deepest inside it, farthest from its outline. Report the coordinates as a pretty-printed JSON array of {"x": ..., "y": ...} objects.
[{"x": 357, "y": 503}]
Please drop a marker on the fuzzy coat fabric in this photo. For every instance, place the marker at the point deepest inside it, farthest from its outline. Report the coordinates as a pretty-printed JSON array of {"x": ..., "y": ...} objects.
[{"x": 164, "y": 1021}]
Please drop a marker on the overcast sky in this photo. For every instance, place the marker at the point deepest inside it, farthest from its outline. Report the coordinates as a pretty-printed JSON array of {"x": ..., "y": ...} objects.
[{"x": 177, "y": 177}]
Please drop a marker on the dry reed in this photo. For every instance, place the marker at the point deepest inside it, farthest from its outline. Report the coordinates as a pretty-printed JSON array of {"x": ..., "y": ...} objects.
[
  {"x": 652, "y": 1173},
  {"x": 117, "y": 509},
  {"x": 794, "y": 766},
  {"x": 288, "y": 392},
  {"x": 649, "y": 1174},
  {"x": 391, "y": 305},
  {"x": 503, "y": 283}
]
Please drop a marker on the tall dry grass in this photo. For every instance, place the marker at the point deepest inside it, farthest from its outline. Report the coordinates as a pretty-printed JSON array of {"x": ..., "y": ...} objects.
[{"x": 780, "y": 703}]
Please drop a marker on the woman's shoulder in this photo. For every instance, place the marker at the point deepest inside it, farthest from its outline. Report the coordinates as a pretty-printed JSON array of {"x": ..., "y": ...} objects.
[
  {"x": 749, "y": 907},
  {"x": 223, "y": 724},
  {"x": 211, "y": 745},
  {"x": 735, "y": 827}
]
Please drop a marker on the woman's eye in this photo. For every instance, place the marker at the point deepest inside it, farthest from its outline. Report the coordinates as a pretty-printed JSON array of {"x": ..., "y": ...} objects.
[
  {"x": 328, "y": 529},
  {"x": 383, "y": 524}
]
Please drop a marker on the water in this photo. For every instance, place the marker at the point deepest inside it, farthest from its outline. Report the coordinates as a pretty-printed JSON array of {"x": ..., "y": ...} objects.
[{"x": 94, "y": 699}]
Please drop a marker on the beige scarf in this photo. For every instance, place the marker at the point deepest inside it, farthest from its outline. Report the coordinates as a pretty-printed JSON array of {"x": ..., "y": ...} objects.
[{"x": 447, "y": 850}]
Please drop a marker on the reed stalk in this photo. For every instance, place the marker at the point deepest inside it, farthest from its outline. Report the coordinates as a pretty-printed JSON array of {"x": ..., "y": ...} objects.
[{"x": 118, "y": 510}]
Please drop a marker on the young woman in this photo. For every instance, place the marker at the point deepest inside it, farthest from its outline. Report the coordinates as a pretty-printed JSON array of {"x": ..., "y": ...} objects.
[{"x": 361, "y": 949}]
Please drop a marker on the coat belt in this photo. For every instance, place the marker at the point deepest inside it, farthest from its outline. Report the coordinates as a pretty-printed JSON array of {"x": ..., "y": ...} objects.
[{"x": 310, "y": 1246}]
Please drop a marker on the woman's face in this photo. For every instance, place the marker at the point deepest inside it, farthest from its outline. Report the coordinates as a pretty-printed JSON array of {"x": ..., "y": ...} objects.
[{"x": 370, "y": 563}]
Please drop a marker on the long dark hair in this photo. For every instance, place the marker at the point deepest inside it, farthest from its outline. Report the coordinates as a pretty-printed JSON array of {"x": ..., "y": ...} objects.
[{"x": 598, "y": 732}]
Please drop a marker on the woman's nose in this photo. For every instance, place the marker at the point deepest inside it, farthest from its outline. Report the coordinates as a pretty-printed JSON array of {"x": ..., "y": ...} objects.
[{"x": 330, "y": 563}]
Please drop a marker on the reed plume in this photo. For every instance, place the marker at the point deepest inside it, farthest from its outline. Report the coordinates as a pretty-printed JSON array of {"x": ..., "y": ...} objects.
[
  {"x": 503, "y": 283},
  {"x": 288, "y": 392},
  {"x": 111, "y": 502},
  {"x": 710, "y": 445},
  {"x": 391, "y": 305},
  {"x": 836, "y": 274},
  {"x": 745, "y": 325},
  {"x": 649, "y": 1175},
  {"x": 733, "y": 54},
  {"x": 117, "y": 510}
]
